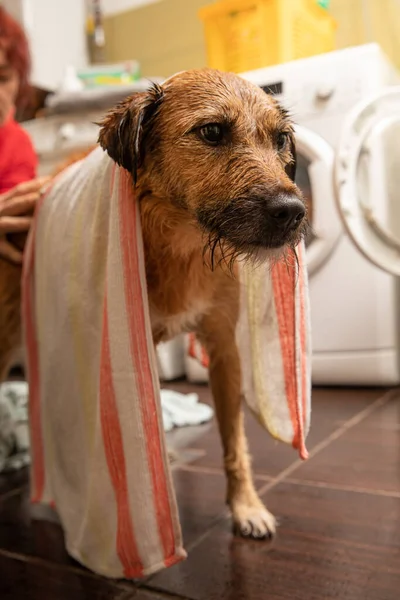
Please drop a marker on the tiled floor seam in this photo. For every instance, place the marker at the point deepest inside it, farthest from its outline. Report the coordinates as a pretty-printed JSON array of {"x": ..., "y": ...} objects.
[
  {"x": 343, "y": 542},
  {"x": 14, "y": 492},
  {"x": 355, "y": 420},
  {"x": 165, "y": 595},
  {"x": 122, "y": 585},
  {"x": 217, "y": 471},
  {"x": 42, "y": 562},
  {"x": 342, "y": 488},
  {"x": 201, "y": 470},
  {"x": 352, "y": 422}
]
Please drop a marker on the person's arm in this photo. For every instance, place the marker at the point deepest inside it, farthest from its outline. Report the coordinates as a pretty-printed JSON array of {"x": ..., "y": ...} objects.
[
  {"x": 16, "y": 210},
  {"x": 19, "y": 160}
]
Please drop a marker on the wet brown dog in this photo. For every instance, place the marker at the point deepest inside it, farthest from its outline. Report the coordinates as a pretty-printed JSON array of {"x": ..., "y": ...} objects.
[{"x": 212, "y": 158}]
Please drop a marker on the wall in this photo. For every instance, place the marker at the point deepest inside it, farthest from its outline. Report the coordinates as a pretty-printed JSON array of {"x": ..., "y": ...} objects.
[
  {"x": 56, "y": 29},
  {"x": 112, "y": 7},
  {"x": 15, "y": 8},
  {"x": 364, "y": 21},
  {"x": 165, "y": 37},
  {"x": 168, "y": 36}
]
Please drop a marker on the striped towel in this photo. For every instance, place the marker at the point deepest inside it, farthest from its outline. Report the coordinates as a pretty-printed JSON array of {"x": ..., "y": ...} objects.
[
  {"x": 98, "y": 447},
  {"x": 97, "y": 440},
  {"x": 273, "y": 337}
]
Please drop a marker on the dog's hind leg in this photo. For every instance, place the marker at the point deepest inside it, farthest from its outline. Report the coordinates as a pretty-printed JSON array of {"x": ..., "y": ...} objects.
[
  {"x": 217, "y": 333},
  {"x": 10, "y": 319}
]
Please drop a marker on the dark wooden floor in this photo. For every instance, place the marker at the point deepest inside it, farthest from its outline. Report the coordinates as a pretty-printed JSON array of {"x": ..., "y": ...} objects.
[{"x": 339, "y": 515}]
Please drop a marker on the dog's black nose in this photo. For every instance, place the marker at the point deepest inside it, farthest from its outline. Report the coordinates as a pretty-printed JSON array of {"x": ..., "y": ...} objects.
[{"x": 286, "y": 211}]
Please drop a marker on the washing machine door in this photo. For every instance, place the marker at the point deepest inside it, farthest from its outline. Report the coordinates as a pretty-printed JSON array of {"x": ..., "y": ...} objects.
[
  {"x": 367, "y": 176},
  {"x": 315, "y": 166}
]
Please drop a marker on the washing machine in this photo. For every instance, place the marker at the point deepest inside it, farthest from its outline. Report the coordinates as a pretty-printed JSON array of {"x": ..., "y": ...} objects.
[{"x": 346, "y": 107}]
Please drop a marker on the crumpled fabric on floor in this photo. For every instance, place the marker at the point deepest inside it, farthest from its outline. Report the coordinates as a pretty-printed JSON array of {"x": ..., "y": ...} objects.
[
  {"x": 181, "y": 410},
  {"x": 14, "y": 427},
  {"x": 178, "y": 410}
]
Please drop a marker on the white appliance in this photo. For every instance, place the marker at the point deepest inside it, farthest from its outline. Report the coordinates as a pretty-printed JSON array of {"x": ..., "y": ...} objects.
[{"x": 346, "y": 105}]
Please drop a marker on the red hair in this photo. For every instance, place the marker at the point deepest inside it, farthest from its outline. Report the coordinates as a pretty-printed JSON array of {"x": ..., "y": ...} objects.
[{"x": 14, "y": 44}]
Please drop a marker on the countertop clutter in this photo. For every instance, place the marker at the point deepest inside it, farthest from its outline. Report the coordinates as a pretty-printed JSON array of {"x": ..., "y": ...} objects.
[
  {"x": 67, "y": 124},
  {"x": 94, "y": 99}
]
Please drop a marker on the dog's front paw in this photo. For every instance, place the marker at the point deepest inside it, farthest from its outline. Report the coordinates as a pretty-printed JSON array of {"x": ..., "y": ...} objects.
[{"x": 253, "y": 521}]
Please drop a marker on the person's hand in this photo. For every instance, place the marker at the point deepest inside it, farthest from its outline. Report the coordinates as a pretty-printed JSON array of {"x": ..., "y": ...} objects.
[{"x": 16, "y": 210}]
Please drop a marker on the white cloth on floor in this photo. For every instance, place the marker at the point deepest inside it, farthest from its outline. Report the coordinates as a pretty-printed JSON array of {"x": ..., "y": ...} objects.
[
  {"x": 14, "y": 430},
  {"x": 180, "y": 410}
]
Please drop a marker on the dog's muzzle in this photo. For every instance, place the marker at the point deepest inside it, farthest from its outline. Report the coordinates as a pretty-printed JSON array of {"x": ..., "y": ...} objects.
[
  {"x": 282, "y": 221},
  {"x": 258, "y": 221},
  {"x": 285, "y": 213}
]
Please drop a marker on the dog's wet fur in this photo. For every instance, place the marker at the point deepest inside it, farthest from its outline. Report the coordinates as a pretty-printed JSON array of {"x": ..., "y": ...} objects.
[{"x": 212, "y": 159}]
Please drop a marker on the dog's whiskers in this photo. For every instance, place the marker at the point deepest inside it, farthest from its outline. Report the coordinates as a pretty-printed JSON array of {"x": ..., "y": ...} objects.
[{"x": 213, "y": 247}]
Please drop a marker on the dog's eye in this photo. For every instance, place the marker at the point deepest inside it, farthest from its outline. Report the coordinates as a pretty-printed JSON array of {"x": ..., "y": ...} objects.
[
  {"x": 213, "y": 133},
  {"x": 282, "y": 140}
]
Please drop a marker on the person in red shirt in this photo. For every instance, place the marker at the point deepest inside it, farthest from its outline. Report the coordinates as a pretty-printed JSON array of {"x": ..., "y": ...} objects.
[{"x": 18, "y": 160}]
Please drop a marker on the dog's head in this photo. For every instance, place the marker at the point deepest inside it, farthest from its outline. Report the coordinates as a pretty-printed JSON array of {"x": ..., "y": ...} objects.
[{"x": 218, "y": 147}]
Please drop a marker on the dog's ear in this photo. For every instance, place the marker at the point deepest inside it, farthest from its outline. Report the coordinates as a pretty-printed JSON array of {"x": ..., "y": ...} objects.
[
  {"x": 124, "y": 129},
  {"x": 291, "y": 167}
]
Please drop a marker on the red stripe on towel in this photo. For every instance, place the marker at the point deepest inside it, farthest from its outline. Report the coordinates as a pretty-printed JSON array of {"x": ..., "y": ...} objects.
[
  {"x": 303, "y": 357},
  {"x": 192, "y": 346},
  {"x": 27, "y": 310},
  {"x": 35, "y": 424},
  {"x": 192, "y": 351},
  {"x": 114, "y": 450},
  {"x": 141, "y": 364},
  {"x": 284, "y": 281},
  {"x": 205, "y": 361}
]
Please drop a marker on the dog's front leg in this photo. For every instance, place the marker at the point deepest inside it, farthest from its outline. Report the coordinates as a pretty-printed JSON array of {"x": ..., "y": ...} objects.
[{"x": 217, "y": 333}]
